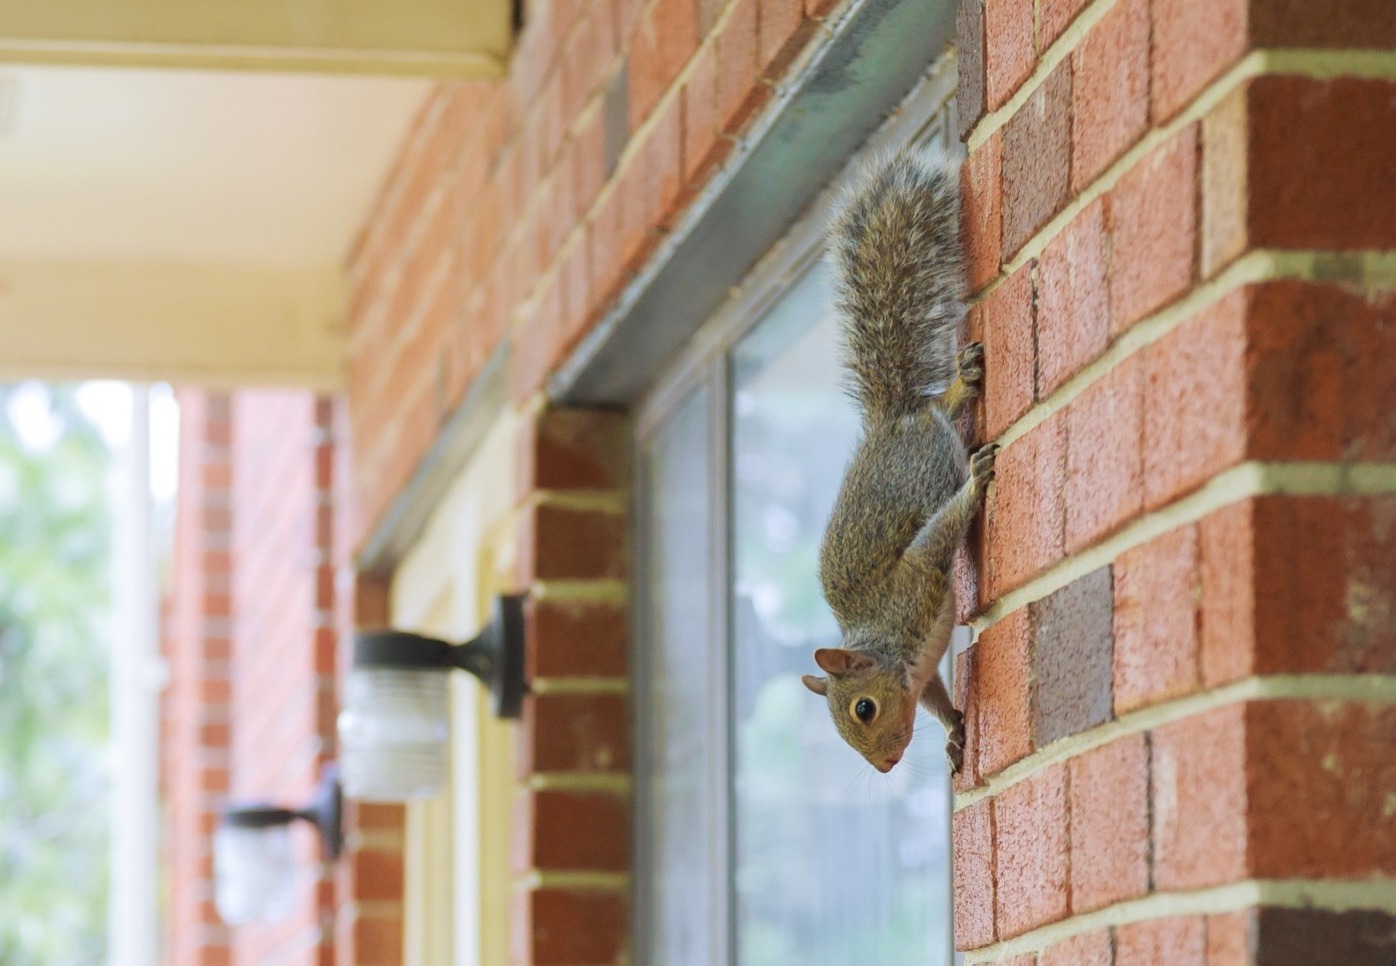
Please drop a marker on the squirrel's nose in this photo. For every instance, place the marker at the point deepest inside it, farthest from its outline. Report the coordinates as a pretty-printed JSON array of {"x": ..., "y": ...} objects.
[{"x": 887, "y": 763}]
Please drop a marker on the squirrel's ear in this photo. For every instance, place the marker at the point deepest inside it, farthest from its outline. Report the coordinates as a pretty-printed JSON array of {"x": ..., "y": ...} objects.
[
  {"x": 817, "y": 685},
  {"x": 838, "y": 660}
]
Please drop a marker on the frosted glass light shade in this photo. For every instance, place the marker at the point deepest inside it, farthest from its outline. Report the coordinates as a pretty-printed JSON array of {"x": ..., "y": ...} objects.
[
  {"x": 254, "y": 873},
  {"x": 394, "y": 733}
]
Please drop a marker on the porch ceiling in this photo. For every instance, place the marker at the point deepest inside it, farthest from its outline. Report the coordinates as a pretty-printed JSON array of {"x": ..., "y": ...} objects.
[{"x": 185, "y": 225}]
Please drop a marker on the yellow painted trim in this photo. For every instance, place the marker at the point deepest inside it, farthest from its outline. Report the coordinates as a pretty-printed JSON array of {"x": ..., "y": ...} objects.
[{"x": 456, "y": 38}]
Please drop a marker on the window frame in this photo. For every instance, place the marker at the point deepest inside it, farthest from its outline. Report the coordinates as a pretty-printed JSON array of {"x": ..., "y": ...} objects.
[{"x": 925, "y": 116}]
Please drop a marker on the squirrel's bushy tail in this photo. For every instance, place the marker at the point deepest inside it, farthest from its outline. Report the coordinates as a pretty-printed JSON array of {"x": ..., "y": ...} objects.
[{"x": 897, "y": 247}]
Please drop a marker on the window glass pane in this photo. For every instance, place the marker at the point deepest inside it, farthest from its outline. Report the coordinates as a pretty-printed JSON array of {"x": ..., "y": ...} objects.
[
  {"x": 677, "y": 654},
  {"x": 835, "y": 863}
]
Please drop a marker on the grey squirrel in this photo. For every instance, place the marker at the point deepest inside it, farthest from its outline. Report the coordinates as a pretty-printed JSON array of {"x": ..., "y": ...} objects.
[{"x": 912, "y": 489}]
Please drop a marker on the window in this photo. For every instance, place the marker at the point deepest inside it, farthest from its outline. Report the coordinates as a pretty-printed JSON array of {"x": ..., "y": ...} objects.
[{"x": 763, "y": 839}]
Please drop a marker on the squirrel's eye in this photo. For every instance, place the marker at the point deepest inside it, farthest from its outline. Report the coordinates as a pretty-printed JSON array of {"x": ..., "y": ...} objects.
[{"x": 865, "y": 710}]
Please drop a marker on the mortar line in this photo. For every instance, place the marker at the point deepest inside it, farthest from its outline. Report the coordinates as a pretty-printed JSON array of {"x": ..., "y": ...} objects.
[
  {"x": 570, "y": 880},
  {"x": 542, "y": 781},
  {"x": 599, "y": 591},
  {"x": 580, "y": 685},
  {"x": 1282, "y": 893},
  {"x": 1361, "y": 688},
  {"x": 1246, "y": 480}
]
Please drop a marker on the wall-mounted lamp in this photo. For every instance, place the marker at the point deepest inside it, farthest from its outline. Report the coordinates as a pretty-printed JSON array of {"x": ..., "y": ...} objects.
[
  {"x": 395, "y": 729},
  {"x": 254, "y": 870}
]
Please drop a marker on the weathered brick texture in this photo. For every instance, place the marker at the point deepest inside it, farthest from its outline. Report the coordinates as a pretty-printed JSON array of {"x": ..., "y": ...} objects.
[
  {"x": 1181, "y": 277},
  {"x": 574, "y": 738}
]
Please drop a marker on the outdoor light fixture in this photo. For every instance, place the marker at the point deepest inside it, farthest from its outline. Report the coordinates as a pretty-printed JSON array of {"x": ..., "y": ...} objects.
[
  {"x": 254, "y": 870},
  {"x": 395, "y": 729}
]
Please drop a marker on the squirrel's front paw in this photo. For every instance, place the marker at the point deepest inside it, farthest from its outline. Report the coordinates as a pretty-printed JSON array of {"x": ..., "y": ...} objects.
[
  {"x": 955, "y": 744},
  {"x": 981, "y": 465},
  {"x": 970, "y": 364}
]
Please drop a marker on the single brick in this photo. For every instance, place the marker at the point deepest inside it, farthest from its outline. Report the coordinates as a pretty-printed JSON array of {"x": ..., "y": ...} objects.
[
  {"x": 1104, "y": 458},
  {"x": 564, "y": 543},
  {"x": 377, "y": 875},
  {"x": 1323, "y": 937},
  {"x": 575, "y": 639},
  {"x": 969, "y": 44},
  {"x": 1110, "y": 90},
  {"x": 1009, "y": 364},
  {"x": 1008, "y": 47},
  {"x": 1030, "y": 846},
  {"x": 1157, "y": 590},
  {"x": 1319, "y": 384},
  {"x": 1223, "y": 184},
  {"x": 1352, "y": 628},
  {"x": 1153, "y": 215},
  {"x": 666, "y": 37},
  {"x": 662, "y": 157},
  {"x": 561, "y": 927},
  {"x": 1175, "y": 940},
  {"x": 1195, "y": 401},
  {"x": 1199, "y": 800},
  {"x": 1229, "y": 938},
  {"x": 981, "y": 211},
  {"x": 1084, "y": 949},
  {"x": 1320, "y": 779},
  {"x": 563, "y": 830},
  {"x": 973, "y": 831},
  {"x": 966, "y": 698},
  {"x": 1194, "y": 42},
  {"x": 740, "y": 92},
  {"x": 1003, "y": 672},
  {"x": 783, "y": 28},
  {"x": 1026, "y": 509},
  {"x": 1073, "y": 299},
  {"x": 574, "y": 449},
  {"x": 1072, "y": 658},
  {"x": 1359, "y": 24},
  {"x": 1054, "y": 16},
  {"x": 1320, "y": 162},
  {"x": 1110, "y": 824},
  {"x": 573, "y": 732},
  {"x": 703, "y": 149},
  {"x": 1037, "y": 160}
]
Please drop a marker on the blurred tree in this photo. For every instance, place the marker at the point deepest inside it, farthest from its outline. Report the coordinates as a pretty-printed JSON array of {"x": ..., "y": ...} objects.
[{"x": 54, "y": 593}]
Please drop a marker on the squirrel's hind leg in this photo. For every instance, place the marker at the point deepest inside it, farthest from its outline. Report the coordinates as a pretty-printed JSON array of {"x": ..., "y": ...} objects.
[{"x": 969, "y": 380}]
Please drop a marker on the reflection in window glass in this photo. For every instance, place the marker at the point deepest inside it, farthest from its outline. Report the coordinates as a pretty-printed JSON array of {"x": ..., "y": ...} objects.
[
  {"x": 677, "y": 648},
  {"x": 835, "y": 863}
]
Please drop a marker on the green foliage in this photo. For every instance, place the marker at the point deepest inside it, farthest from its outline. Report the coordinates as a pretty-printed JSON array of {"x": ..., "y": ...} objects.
[{"x": 54, "y": 577}]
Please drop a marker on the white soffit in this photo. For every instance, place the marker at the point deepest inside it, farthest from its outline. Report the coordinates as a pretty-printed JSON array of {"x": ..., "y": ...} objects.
[{"x": 137, "y": 202}]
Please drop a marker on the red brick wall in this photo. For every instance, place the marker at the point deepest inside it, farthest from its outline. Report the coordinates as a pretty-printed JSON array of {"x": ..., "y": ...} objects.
[
  {"x": 1181, "y": 733},
  {"x": 195, "y": 719},
  {"x": 517, "y": 211},
  {"x": 261, "y": 598},
  {"x": 283, "y": 641},
  {"x": 570, "y": 830}
]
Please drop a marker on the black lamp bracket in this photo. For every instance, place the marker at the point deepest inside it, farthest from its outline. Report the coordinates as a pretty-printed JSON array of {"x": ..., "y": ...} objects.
[
  {"x": 325, "y": 812},
  {"x": 495, "y": 655}
]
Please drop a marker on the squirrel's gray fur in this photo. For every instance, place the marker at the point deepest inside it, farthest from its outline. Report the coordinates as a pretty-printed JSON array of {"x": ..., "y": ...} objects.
[
  {"x": 911, "y": 490},
  {"x": 896, "y": 245}
]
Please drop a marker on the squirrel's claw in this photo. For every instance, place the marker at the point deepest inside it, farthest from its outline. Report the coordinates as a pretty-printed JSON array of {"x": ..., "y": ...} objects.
[
  {"x": 981, "y": 464},
  {"x": 970, "y": 365},
  {"x": 955, "y": 744}
]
